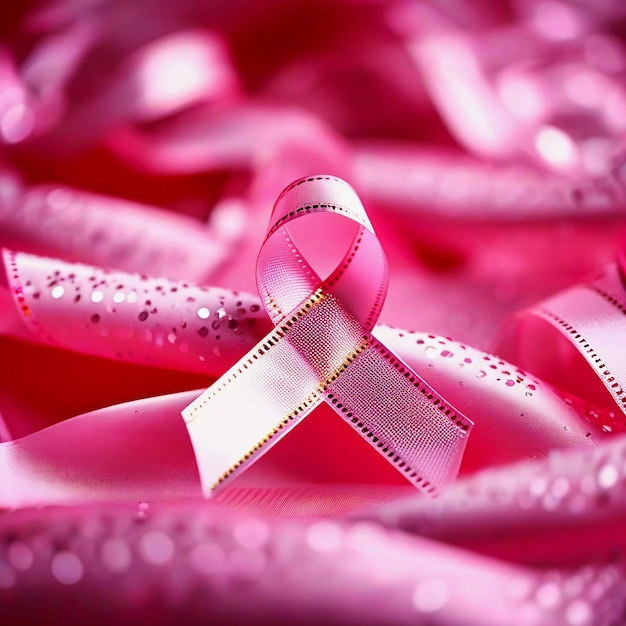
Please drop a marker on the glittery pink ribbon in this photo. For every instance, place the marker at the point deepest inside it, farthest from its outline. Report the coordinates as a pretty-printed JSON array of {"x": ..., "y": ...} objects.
[
  {"x": 509, "y": 190},
  {"x": 578, "y": 327},
  {"x": 321, "y": 349}
]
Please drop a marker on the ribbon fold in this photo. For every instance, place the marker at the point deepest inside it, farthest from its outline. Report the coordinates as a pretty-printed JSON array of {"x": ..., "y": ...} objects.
[
  {"x": 321, "y": 349},
  {"x": 579, "y": 326}
]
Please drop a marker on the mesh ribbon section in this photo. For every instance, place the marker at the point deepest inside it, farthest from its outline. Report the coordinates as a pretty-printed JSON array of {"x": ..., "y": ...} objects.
[
  {"x": 276, "y": 384},
  {"x": 322, "y": 351},
  {"x": 402, "y": 417}
]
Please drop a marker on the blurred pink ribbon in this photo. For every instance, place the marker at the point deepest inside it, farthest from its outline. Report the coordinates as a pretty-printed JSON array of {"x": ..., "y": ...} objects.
[
  {"x": 321, "y": 349},
  {"x": 579, "y": 326}
]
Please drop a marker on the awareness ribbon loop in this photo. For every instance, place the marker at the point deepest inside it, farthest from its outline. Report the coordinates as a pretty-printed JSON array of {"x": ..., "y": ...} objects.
[{"x": 321, "y": 349}]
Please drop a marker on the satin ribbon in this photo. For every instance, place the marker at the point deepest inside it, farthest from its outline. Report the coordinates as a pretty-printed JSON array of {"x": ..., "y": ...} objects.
[
  {"x": 195, "y": 563},
  {"x": 577, "y": 328},
  {"x": 111, "y": 453},
  {"x": 321, "y": 349},
  {"x": 53, "y": 220},
  {"x": 129, "y": 317}
]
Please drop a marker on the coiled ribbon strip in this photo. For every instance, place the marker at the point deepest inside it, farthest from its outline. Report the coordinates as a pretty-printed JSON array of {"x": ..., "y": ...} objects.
[
  {"x": 321, "y": 349},
  {"x": 578, "y": 328}
]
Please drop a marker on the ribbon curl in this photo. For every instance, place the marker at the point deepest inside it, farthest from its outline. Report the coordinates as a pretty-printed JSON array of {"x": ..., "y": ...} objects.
[
  {"x": 579, "y": 326},
  {"x": 321, "y": 349}
]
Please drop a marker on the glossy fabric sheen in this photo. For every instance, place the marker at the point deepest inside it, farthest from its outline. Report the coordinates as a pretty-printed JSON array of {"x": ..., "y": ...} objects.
[
  {"x": 581, "y": 323},
  {"x": 142, "y": 148},
  {"x": 318, "y": 352}
]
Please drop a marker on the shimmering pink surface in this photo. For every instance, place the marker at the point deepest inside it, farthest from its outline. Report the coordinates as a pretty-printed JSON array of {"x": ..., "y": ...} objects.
[{"x": 142, "y": 147}]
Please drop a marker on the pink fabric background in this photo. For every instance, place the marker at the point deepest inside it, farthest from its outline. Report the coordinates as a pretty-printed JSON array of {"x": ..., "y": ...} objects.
[{"x": 142, "y": 147}]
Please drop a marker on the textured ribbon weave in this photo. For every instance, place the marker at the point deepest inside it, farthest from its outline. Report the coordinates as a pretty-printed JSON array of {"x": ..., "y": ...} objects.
[
  {"x": 142, "y": 145},
  {"x": 321, "y": 349}
]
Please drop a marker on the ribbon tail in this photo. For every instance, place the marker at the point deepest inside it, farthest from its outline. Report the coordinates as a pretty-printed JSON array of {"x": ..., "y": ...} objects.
[
  {"x": 402, "y": 417},
  {"x": 577, "y": 328},
  {"x": 252, "y": 405},
  {"x": 322, "y": 353},
  {"x": 133, "y": 451}
]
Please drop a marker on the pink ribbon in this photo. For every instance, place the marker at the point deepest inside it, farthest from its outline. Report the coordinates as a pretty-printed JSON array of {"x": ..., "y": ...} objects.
[
  {"x": 110, "y": 454},
  {"x": 90, "y": 100},
  {"x": 131, "y": 317},
  {"x": 321, "y": 349},
  {"x": 105, "y": 231},
  {"x": 579, "y": 327}
]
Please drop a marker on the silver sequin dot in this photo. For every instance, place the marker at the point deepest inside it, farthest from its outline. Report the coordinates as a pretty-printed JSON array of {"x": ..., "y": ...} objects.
[
  {"x": 363, "y": 536},
  {"x": 203, "y": 313},
  {"x": 538, "y": 487},
  {"x": 560, "y": 487},
  {"x": 20, "y": 556},
  {"x": 97, "y": 296},
  {"x": 324, "y": 536},
  {"x": 431, "y": 595},
  {"x": 431, "y": 352},
  {"x": 57, "y": 292},
  {"x": 607, "y": 476},
  {"x": 578, "y": 613},
  {"x": 156, "y": 548},
  {"x": 548, "y": 595},
  {"x": 115, "y": 555},
  {"x": 67, "y": 568}
]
